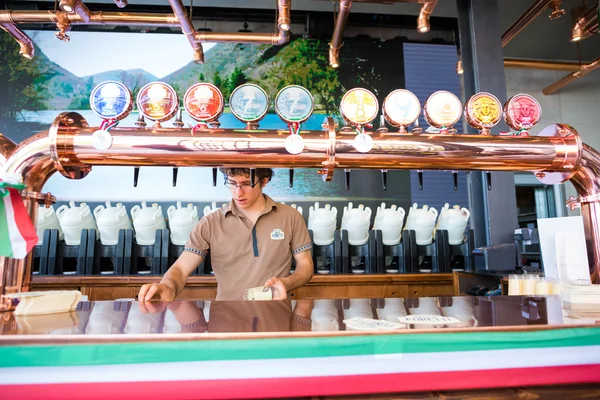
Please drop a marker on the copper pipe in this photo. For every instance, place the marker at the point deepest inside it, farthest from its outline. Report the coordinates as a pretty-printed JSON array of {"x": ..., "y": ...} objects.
[
  {"x": 81, "y": 10},
  {"x": 583, "y": 71},
  {"x": 6, "y": 146},
  {"x": 544, "y": 65},
  {"x": 534, "y": 11},
  {"x": 68, "y": 148},
  {"x": 282, "y": 36},
  {"x": 218, "y": 147},
  {"x": 586, "y": 26},
  {"x": 188, "y": 29},
  {"x": 242, "y": 37},
  {"x": 284, "y": 21},
  {"x": 26, "y": 48},
  {"x": 423, "y": 18},
  {"x": 338, "y": 33},
  {"x": 96, "y": 18}
]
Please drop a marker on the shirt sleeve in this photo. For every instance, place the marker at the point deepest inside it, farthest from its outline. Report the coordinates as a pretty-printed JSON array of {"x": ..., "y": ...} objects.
[
  {"x": 300, "y": 236},
  {"x": 199, "y": 242}
]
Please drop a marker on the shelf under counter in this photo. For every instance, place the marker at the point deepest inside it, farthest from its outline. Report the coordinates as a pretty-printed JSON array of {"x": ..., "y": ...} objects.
[{"x": 205, "y": 287}]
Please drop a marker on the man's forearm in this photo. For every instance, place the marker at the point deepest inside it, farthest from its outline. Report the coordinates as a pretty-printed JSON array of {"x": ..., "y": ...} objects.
[
  {"x": 299, "y": 278},
  {"x": 174, "y": 279}
]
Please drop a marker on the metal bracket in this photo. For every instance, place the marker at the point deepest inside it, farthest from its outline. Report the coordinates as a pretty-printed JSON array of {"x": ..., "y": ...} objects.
[
  {"x": 61, "y": 152},
  {"x": 329, "y": 164}
]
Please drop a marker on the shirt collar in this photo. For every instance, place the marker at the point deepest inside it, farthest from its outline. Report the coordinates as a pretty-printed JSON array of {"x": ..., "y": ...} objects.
[{"x": 270, "y": 205}]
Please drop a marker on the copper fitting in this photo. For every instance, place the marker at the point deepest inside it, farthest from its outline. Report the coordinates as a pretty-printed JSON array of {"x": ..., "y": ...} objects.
[
  {"x": 188, "y": 29},
  {"x": 338, "y": 33},
  {"x": 534, "y": 11},
  {"x": 26, "y": 48},
  {"x": 581, "y": 72},
  {"x": 427, "y": 8},
  {"x": 586, "y": 26},
  {"x": 6, "y": 146}
]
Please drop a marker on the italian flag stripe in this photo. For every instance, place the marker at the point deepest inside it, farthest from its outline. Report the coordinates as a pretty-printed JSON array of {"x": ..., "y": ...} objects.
[
  {"x": 13, "y": 243},
  {"x": 312, "y": 386},
  {"x": 279, "y": 348},
  {"x": 312, "y": 367},
  {"x": 5, "y": 247}
]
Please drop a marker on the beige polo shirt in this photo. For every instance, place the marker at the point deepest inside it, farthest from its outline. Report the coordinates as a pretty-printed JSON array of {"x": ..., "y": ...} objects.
[{"x": 244, "y": 255}]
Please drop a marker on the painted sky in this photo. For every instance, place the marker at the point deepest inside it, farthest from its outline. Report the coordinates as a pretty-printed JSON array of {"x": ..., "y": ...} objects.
[{"x": 89, "y": 53}]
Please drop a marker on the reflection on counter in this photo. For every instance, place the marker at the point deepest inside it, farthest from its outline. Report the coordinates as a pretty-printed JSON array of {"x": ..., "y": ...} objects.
[{"x": 130, "y": 317}]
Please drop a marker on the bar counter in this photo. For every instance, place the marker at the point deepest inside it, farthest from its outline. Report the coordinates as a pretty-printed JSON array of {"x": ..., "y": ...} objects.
[{"x": 124, "y": 349}]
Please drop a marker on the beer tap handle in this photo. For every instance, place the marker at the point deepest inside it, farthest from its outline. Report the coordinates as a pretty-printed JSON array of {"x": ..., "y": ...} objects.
[
  {"x": 384, "y": 178},
  {"x": 488, "y": 178},
  {"x": 291, "y": 177},
  {"x": 347, "y": 178},
  {"x": 175, "y": 172},
  {"x": 252, "y": 175},
  {"x": 420, "y": 174},
  {"x": 214, "y": 170},
  {"x": 136, "y": 175},
  {"x": 455, "y": 178}
]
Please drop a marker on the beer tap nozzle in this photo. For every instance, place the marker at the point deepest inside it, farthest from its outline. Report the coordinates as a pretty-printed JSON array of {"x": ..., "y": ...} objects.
[
  {"x": 384, "y": 173},
  {"x": 136, "y": 175},
  {"x": 291, "y": 177},
  {"x": 347, "y": 178},
  {"x": 175, "y": 172},
  {"x": 455, "y": 178}
]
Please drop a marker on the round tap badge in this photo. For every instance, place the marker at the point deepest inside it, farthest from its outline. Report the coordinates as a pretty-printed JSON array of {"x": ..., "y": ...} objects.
[
  {"x": 483, "y": 110},
  {"x": 111, "y": 100},
  {"x": 442, "y": 109},
  {"x": 294, "y": 104},
  {"x": 249, "y": 102},
  {"x": 203, "y": 102},
  {"x": 522, "y": 111},
  {"x": 401, "y": 108},
  {"x": 157, "y": 101},
  {"x": 359, "y": 106}
]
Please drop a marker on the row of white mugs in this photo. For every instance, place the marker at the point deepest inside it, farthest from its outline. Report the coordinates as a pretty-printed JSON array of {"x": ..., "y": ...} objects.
[
  {"x": 105, "y": 319},
  {"x": 357, "y": 221},
  {"x": 108, "y": 220}
]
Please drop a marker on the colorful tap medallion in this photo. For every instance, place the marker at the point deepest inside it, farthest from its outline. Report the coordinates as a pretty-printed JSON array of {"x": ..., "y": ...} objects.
[
  {"x": 359, "y": 106},
  {"x": 111, "y": 100},
  {"x": 249, "y": 103},
  {"x": 204, "y": 102},
  {"x": 157, "y": 101},
  {"x": 522, "y": 112},
  {"x": 294, "y": 104},
  {"x": 401, "y": 108},
  {"x": 442, "y": 109},
  {"x": 483, "y": 110}
]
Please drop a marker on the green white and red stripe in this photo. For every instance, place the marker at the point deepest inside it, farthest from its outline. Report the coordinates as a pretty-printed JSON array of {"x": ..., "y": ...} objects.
[
  {"x": 17, "y": 234},
  {"x": 308, "y": 366}
]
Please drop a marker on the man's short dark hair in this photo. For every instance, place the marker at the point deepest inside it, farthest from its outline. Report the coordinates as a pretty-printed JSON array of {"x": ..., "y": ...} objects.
[{"x": 261, "y": 173}]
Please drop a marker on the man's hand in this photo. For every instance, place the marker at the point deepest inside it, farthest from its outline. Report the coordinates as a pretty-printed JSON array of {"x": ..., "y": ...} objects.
[
  {"x": 149, "y": 290},
  {"x": 279, "y": 288}
]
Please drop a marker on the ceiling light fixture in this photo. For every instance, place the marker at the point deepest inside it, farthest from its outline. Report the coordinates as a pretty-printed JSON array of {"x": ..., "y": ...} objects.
[
  {"x": 459, "y": 66},
  {"x": 577, "y": 33},
  {"x": 67, "y": 6}
]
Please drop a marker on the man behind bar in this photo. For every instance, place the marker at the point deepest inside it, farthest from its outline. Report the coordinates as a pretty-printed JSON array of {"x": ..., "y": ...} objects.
[{"x": 251, "y": 243}]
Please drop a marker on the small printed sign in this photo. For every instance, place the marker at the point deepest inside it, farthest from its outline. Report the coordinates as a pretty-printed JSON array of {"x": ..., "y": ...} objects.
[{"x": 428, "y": 320}]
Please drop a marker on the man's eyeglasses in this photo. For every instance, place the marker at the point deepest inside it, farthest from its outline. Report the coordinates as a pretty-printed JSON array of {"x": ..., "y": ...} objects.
[{"x": 244, "y": 185}]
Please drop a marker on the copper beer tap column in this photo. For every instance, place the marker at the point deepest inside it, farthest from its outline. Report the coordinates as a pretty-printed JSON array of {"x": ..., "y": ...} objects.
[{"x": 556, "y": 155}]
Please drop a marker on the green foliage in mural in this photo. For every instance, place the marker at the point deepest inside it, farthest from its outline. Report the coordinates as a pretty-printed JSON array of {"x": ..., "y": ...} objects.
[{"x": 21, "y": 80}]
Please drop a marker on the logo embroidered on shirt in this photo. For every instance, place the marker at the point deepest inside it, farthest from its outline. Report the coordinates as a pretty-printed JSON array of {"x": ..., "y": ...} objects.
[{"x": 277, "y": 234}]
